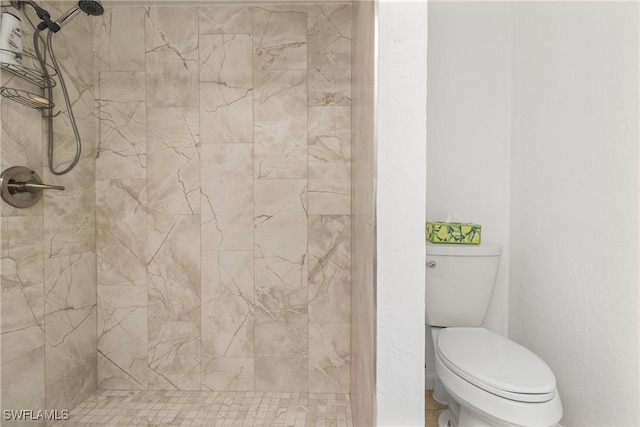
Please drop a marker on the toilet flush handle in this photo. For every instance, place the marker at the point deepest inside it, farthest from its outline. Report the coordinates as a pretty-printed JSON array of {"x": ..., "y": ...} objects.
[{"x": 431, "y": 264}]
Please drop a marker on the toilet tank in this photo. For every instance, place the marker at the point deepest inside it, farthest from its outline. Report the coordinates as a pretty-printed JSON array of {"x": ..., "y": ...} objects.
[{"x": 459, "y": 283}]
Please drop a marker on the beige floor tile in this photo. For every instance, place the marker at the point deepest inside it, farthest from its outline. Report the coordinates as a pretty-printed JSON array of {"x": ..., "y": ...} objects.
[
  {"x": 195, "y": 408},
  {"x": 432, "y": 409}
]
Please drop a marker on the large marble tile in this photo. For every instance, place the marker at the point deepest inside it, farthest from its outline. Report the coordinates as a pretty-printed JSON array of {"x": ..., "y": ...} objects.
[
  {"x": 281, "y": 361},
  {"x": 174, "y": 171},
  {"x": 23, "y": 384},
  {"x": 70, "y": 286},
  {"x": 174, "y": 302},
  {"x": 21, "y": 145},
  {"x": 171, "y": 56},
  {"x": 226, "y": 59},
  {"x": 229, "y": 374},
  {"x": 121, "y": 231},
  {"x": 329, "y": 160},
  {"x": 122, "y": 336},
  {"x": 174, "y": 263},
  {"x": 225, "y": 19},
  {"x": 280, "y": 37},
  {"x": 18, "y": 344},
  {"x": 22, "y": 321},
  {"x": 281, "y": 321},
  {"x": 226, "y": 113},
  {"x": 122, "y": 86},
  {"x": 122, "y": 149},
  {"x": 226, "y": 98},
  {"x": 282, "y": 373},
  {"x": 329, "y": 29},
  {"x": 71, "y": 373},
  {"x": 329, "y": 268},
  {"x": 227, "y": 304},
  {"x": 280, "y": 236},
  {"x": 119, "y": 43},
  {"x": 22, "y": 272},
  {"x": 226, "y": 172},
  {"x": 70, "y": 329},
  {"x": 69, "y": 220},
  {"x": 174, "y": 355},
  {"x": 280, "y": 124},
  {"x": 329, "y": 357},
  {"x": 227, "y": 320}
]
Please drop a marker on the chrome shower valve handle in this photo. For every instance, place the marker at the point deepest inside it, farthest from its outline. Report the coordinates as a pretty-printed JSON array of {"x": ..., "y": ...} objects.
[
  {"x": 22, "y": 187},
  {"x": 32, "y": 187}
]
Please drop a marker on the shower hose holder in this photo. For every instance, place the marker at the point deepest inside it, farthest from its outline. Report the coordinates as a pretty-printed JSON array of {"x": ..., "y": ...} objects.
[{"x": 21, "y": 187}]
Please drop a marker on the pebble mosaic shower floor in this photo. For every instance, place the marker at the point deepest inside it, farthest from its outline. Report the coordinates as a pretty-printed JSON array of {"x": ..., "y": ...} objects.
[{"x": 109, "y": 408}]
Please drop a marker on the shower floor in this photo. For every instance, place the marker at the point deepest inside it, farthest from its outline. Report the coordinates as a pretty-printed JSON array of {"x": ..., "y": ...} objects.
[{"x": 210, "y": 409}]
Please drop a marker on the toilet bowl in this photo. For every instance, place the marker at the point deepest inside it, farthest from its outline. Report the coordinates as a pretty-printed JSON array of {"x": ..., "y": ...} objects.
[
  {"x": 490, "y": 380},
  {"x": 494, "y": 382}
]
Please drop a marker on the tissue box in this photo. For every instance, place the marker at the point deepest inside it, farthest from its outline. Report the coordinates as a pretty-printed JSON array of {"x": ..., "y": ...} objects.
[{"x": 453, "y": 232}]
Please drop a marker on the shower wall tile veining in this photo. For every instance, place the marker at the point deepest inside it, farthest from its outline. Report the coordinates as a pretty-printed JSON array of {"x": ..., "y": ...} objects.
[
  {"x": 223, "y": 191},
  {"x": 47, "y": 281}
]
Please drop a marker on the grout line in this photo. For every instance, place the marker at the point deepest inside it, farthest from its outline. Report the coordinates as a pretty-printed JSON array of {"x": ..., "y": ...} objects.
[
  {"x": 200, "y": 165},
  {"x": 146, "y": 189},
  {"x": 253, "y": 189}
]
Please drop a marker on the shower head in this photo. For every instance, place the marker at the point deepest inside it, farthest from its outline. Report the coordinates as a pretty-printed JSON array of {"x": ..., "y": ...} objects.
[{"x": 93, "y": 8}]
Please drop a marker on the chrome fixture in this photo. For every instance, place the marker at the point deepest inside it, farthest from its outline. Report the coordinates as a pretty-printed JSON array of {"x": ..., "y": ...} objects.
[
  {"x": 22, "y": 187},
  {"x": 92, "y": 8}
]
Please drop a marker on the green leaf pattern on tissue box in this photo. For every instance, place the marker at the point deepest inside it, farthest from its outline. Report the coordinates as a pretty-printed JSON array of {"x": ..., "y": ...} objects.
[{"x": 453, "y": 232}]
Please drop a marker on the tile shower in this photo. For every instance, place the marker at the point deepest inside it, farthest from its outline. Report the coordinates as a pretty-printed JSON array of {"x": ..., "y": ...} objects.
[
  {"x": 204, "y": 241},
  {"x": 223, "y": 198}
]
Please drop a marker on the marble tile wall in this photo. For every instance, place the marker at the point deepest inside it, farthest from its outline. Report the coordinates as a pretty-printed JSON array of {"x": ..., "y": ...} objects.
[
  {"x": 223, "y": 178},
  {"x": 48, "y": 262}
]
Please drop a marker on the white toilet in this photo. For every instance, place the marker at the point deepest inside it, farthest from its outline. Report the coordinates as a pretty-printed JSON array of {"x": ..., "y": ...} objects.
[{"x": 489, "y": 380}]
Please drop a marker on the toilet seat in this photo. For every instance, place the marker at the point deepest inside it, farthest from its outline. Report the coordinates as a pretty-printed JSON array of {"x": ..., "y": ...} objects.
[
  {"x": 493, "y": 409},
  {"x": 496, "y": 365}
]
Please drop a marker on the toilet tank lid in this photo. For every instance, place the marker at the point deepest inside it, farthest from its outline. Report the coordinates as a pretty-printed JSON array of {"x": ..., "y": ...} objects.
[{"x": 483, "y": 249}]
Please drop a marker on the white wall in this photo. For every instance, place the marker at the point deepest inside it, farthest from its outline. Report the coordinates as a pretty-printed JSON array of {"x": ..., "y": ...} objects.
[
  {"x": 574, "y": 212},
  {"x": 469, "y": 128},
  {"x": 567, "y": 181},
  {"x": 401, "y": 178}
]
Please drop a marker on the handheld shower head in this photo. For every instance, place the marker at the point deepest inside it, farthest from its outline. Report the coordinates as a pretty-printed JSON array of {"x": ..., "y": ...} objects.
[{"x": 93, "y": 8}]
